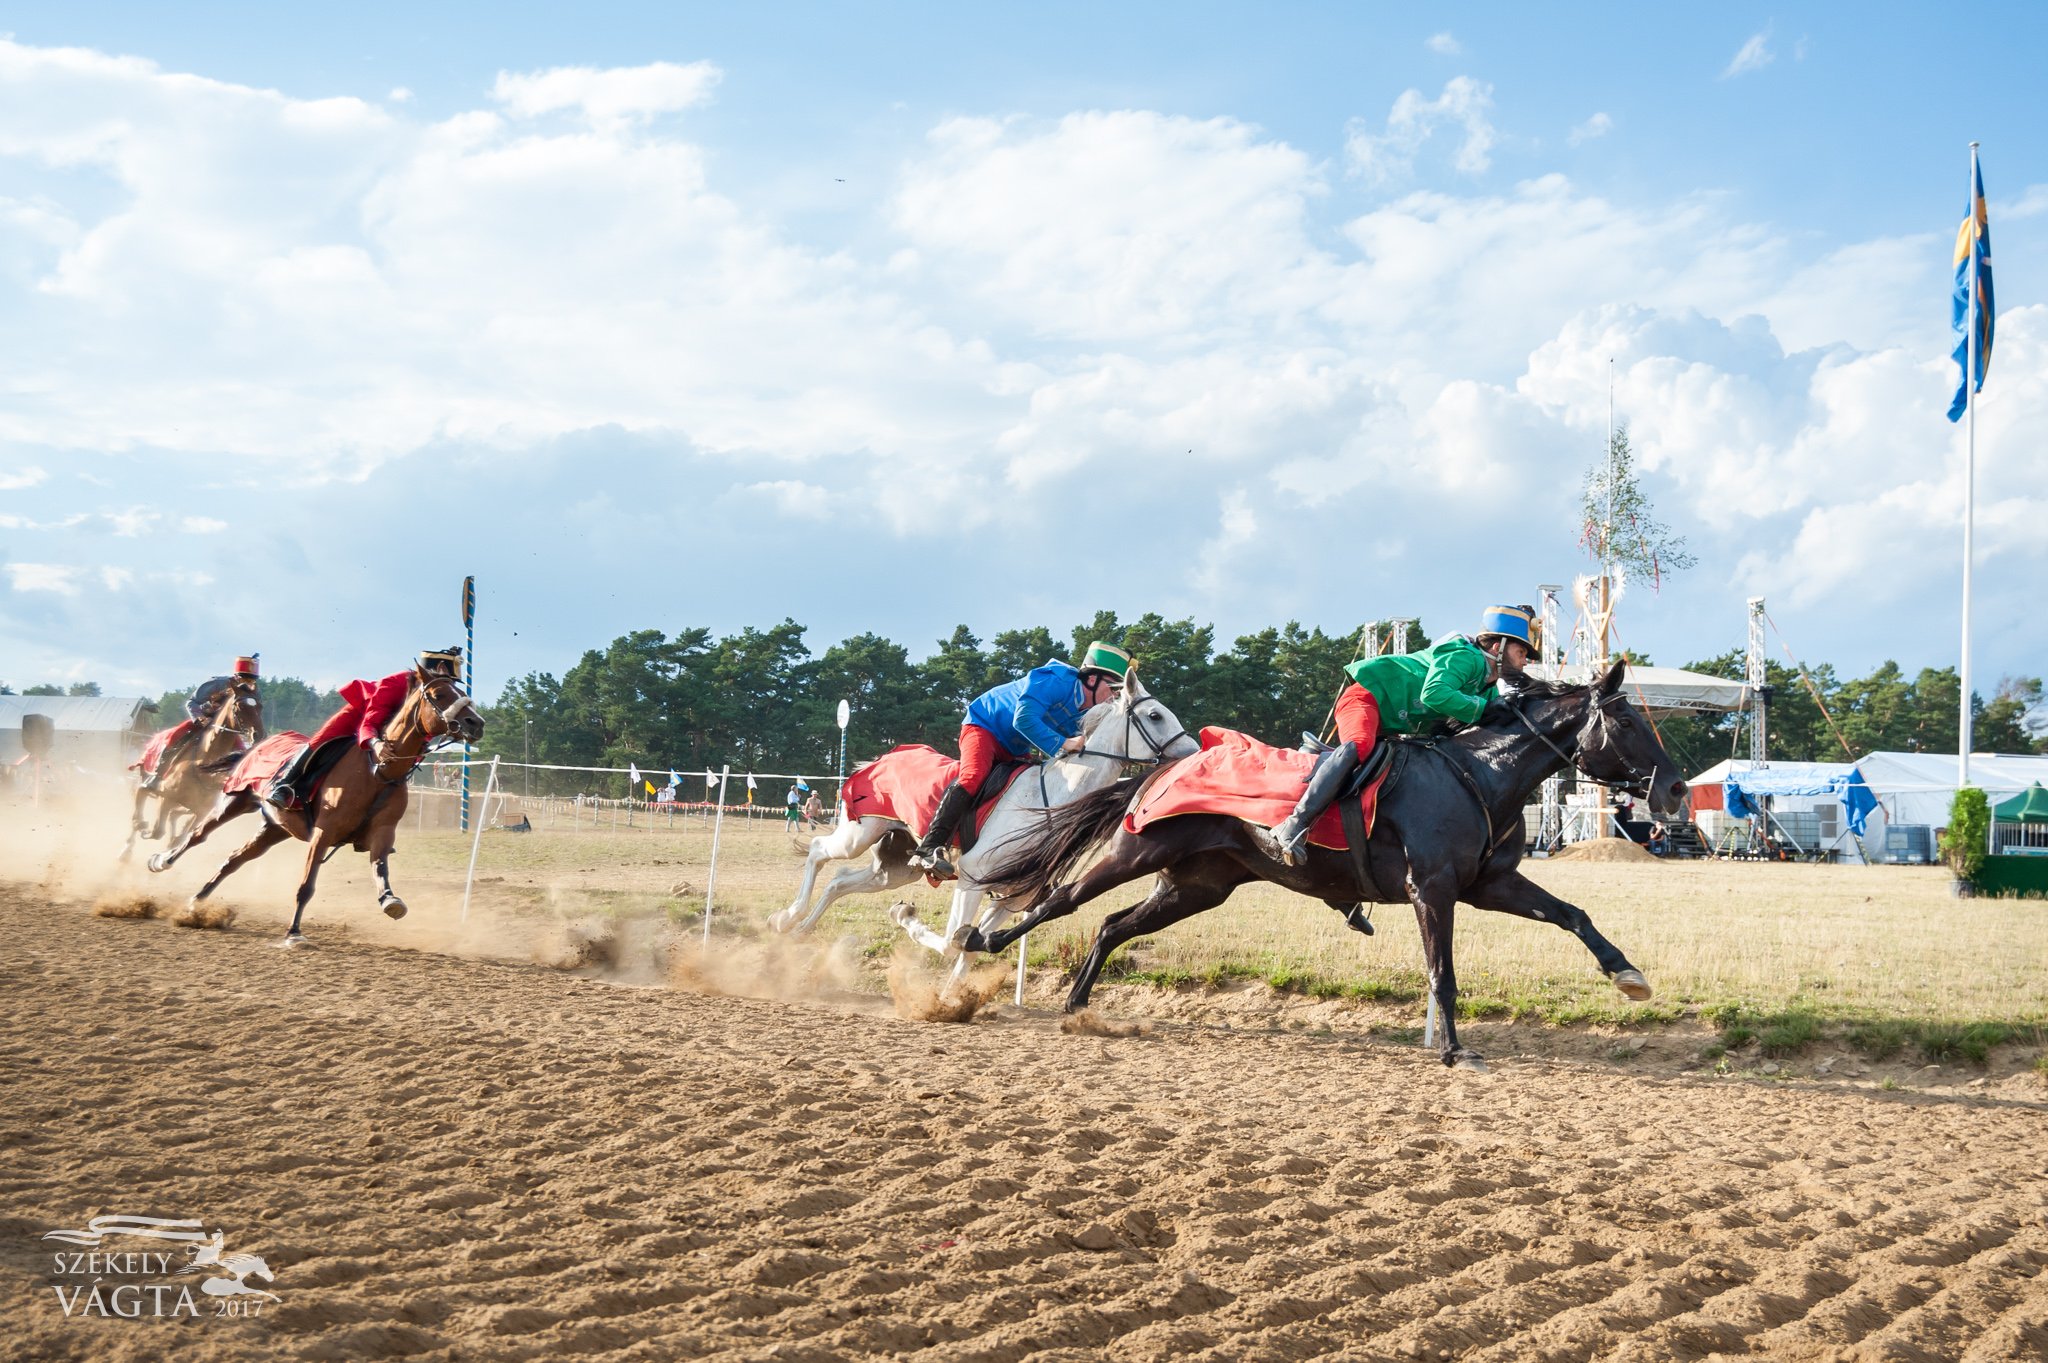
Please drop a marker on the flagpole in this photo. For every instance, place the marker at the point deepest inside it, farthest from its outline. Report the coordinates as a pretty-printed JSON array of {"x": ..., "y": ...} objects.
[{"x": 1969, "y": 473}]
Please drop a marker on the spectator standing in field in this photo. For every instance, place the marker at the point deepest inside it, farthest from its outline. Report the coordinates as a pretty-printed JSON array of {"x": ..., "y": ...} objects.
[
  {"x": 792, "y": 812},
  {"x": 814, "y": 810}
]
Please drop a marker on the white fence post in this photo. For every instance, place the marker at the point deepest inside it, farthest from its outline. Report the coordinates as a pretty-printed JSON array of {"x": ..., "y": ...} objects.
[
  {"x": 717, "y": 826},
  {"x": 476, "y": 843},
  {"x": 1023, "y": 948},
  {"x": 1429, "y": 1022}
]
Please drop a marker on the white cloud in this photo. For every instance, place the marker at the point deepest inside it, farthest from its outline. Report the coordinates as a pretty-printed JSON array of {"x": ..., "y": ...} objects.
[
  {"x": 1464, "y": 103},
  {"x": 1443, "y": 44},
  {"x": 608, "y": 97},
  {"x": 1599, "y": 125},
  {"x": 43, "y": 577},
  {"x": 1121, "y": 324},
  {"x": 1754, "y": 55}
]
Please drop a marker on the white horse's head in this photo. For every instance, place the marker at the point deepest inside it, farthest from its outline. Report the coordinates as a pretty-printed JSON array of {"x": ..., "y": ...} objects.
[{"x": 1135, "y": 727}]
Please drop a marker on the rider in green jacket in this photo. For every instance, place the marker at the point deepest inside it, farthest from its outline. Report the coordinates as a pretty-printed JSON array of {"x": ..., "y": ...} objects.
[{"x": 1405, "y": 693}]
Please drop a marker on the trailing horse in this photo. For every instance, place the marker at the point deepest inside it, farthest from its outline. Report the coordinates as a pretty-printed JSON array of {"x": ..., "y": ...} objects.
[
  {"x": 358, "y": 802},
  {"x": 1449, "y": 828},
  {"x": 190, "y": 780},
  {"x": 1134, "y": 728}
]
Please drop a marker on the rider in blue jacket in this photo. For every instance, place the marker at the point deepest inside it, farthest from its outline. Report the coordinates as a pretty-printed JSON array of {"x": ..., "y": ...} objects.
[{"x": 1035, "y": 717}]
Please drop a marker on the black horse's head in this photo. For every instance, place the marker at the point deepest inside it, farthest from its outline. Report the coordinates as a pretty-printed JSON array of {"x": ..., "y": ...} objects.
[{"x": 1617, "y": 745}]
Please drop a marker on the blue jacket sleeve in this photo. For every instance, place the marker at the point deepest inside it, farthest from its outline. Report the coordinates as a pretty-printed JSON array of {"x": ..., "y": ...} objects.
[
  {"x": 1049, "y": 691},
  {"x": 195, "y": 704}
]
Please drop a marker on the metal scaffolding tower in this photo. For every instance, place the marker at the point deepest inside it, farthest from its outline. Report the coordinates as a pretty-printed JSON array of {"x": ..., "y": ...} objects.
[
  {"x": 1399, "y": 625},
  {"x": 1759, "y": 689}
]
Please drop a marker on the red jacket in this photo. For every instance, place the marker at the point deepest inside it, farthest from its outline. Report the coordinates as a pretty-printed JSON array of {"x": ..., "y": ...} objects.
[{"x": 376, "y": 702}]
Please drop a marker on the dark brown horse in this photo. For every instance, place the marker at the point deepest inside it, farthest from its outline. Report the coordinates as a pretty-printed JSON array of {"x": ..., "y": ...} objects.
[
  {"x": 190, "y": 780},
  {"x": 1449, "y": 828},
  {"x": 358, "y": 802}
]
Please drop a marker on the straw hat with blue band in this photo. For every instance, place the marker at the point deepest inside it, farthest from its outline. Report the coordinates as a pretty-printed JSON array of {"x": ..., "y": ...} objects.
[
  {"x": 1508, "y": 622},
  {"x": 1107, "y": 659}
]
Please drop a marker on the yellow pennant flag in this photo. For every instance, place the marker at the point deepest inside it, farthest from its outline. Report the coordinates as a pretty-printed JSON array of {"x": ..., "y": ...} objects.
[{"x": 649, "y": 785}]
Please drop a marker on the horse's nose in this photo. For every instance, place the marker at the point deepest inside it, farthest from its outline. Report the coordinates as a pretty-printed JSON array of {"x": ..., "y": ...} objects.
[{"x": 1679, "y": 790}]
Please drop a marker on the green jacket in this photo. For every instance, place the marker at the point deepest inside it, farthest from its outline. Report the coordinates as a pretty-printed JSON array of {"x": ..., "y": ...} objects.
[{"x": 1447, "y": 680}]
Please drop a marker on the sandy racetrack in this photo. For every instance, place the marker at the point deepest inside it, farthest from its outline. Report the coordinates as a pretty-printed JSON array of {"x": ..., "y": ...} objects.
[{"x": 444, "y": 1158}]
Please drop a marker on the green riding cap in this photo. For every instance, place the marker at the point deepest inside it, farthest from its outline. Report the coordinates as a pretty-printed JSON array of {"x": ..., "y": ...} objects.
[{"x": 1105, "y": 658}]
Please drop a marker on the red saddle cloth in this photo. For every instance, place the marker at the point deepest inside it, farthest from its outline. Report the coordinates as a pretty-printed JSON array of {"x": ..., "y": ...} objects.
[
  {"x": 153, "y": 751},
  {"x": 263, "y": 761},
  {"x": 905, "y": 784},
  {"x": 1235, "y": 774}
]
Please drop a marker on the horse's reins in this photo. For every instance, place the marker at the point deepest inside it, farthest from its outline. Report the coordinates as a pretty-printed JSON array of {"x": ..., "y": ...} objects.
[
  {"x": 1132, "y": 725},
  {"x": 1636, "y": 779},
  {"x": 446, "y": 739}
]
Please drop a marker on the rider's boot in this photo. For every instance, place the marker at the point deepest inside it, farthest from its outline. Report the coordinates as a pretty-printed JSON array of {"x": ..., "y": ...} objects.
[
  {"x": 931, "y": 853},
  {"x": 1331, "y": 771},
  {"x": 283, "y": 790}
]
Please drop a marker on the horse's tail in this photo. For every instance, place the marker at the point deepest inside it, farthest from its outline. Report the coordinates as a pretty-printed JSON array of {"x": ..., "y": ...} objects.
[{"x": 1034, "y": 863}]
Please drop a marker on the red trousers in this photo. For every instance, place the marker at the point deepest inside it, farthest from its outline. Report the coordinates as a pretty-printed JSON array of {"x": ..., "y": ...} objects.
[
  {"x": 1358, "y": 719},
  {"x": 979, "y": 753}
]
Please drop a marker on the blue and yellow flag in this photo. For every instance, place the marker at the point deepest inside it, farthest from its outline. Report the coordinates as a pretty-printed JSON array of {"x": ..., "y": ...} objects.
[{"x": 1973, "y": 266}]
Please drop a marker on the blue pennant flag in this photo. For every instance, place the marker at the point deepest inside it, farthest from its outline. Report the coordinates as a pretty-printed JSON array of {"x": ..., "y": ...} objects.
[{"x": 1973, "y": 266}]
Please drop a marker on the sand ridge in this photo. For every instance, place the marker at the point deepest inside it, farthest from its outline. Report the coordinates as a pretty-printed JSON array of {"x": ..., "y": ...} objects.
[{"x": 449, "y": 1158}]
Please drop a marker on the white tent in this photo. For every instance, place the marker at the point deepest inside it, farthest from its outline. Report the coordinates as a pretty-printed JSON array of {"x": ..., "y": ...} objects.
[
  {"x": 1663, "y": 690},
  {"x": 1917, "y": 787}
]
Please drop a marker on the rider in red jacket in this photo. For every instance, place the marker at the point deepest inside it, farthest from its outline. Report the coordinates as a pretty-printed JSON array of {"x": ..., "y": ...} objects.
[{"x": 366, "y": 707}]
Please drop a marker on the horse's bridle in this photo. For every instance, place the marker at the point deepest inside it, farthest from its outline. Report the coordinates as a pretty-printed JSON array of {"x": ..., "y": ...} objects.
[
  {"x": 446, "y": 714},
  {"x": 1636, "y": 781},
  {"x": 1133, "y": 725}
]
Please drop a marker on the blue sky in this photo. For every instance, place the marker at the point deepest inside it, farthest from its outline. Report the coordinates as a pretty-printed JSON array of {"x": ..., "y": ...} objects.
[{"x": 673, "y": 315}]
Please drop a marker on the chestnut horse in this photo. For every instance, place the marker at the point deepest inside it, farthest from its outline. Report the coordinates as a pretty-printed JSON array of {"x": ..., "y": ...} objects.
[
  {"x": 1449, "y": 828},
  {"x": 358, "y": 802},
  {"x": 191, "y": 780}
]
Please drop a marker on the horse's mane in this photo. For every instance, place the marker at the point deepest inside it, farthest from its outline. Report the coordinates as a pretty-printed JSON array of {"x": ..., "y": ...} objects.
[{"x": 1541, "y": 688}]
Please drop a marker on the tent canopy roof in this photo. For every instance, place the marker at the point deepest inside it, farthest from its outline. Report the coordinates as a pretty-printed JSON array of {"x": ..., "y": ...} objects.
[
  {"x": 2029, "y": 806},
  {"x": 74, "y": 714},
  {"x": 1662, "y": 690}
]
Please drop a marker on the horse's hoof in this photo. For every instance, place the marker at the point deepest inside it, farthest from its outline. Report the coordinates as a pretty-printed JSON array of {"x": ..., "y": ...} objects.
[
  {"x": 393, "y": 907},
  {"x": 902, "y": 913},
  {"x": 1469, "y": 1061},
  {"x": 294, "y": 941},
  {"x": 969, "y": 938},
  {"x": 1632, "y": 983},
  {"x": 156, "y": 861}
]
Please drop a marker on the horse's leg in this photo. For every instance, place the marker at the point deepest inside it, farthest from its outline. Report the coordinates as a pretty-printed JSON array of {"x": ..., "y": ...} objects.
[
  {"x": 1512, "y": 892},
  {"x": 317, "y": 847},
  {"x": 873, "y": 877},
  {"x": 1129, "y": 856},
  {"x": 383, "y": 838},
  {"x": 134, "y": 823},
  {"x": 1181, "y": 892},
  {"x": 846, "y": 841},
  {"x": 225, "y": 808},
  {"x": 270, "y": 837},
  {"x": 1436, "y": 905}
]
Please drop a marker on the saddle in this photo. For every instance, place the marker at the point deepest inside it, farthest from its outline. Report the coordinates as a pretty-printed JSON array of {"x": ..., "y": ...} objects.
[
  {"x": 1368, "y": 771},
  {"x": 999, "y": 777}
]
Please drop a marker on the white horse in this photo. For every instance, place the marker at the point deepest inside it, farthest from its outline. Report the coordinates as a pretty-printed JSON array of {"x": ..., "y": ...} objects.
[{"x": 1133, "y": 728}]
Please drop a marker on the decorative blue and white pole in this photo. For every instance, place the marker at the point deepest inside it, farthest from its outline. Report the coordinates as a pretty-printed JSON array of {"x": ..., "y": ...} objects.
[{"x": 468, "y": 678}]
